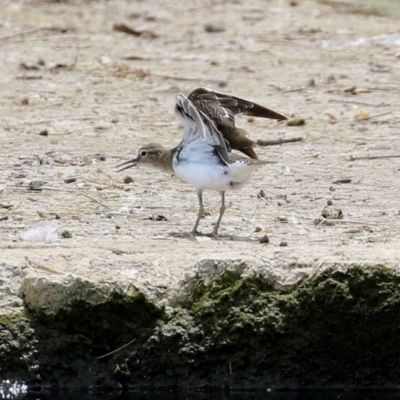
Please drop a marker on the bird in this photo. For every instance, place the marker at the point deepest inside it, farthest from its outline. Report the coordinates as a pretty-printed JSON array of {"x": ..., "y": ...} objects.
[
  {"x": 221, "y": 108},
  {"x": 201, "y": 159}
]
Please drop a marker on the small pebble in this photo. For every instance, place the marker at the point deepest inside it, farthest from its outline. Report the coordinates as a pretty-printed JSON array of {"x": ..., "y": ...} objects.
[
  {"x": 261, "y": 194},
  {"x": 214, "y": 27},
  {"x": 263, "y": 239},
  {"x": 69, "y": 180},
  {"x": 66, "y": 234}
]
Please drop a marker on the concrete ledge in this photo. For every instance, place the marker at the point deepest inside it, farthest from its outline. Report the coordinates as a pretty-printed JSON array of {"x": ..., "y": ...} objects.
[{"x": 228, "y": 323}]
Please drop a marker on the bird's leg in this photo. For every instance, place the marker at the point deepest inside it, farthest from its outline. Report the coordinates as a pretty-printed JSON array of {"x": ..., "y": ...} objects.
[
  {"x": 221, "y": 213},
  {"x": 201, "y": 211}
]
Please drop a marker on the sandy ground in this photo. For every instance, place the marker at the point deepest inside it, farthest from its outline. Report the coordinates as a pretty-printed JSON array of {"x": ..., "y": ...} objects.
[{"x": 100, "y": 94}]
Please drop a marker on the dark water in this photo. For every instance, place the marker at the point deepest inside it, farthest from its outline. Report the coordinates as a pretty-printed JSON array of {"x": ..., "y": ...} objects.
[{"x": 233, "y": 395}]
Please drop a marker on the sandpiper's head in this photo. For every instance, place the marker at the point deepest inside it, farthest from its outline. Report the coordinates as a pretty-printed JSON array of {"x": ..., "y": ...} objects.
[{"x": 150, "y": 155}]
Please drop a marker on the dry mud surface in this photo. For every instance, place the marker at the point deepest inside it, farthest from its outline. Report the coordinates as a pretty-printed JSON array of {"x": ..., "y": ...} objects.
[{"x": 100, "y": 94}]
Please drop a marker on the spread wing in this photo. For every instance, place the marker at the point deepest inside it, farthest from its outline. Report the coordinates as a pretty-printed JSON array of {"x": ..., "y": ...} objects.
[
  {"x": 200, "y": 134},
  {"x": 219, "y": 105}
]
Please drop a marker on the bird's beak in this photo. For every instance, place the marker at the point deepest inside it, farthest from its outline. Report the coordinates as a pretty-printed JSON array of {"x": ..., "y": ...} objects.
[{"x": 129, "y": 164}]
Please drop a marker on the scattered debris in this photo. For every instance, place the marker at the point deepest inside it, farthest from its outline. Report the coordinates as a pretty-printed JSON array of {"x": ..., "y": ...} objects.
[
  {"x": 214, "y": 27},
  {"x": 295, "y": 121},
  {"x": 332, "y": 118},
  {"x": 136, "y": 58},
  {"x": 263, "y": 239},
  {"x": 36, "y": 184},
  {"x": 332, "y": 213},
  {"x": 362, "y": 114},
  {"x": 41, "y": 232},
  {"x": 42, "y": 65},
  {"x": 70, "y": 179},
  {"x": 351, "y": 90},
  {"x": 360, "y": 103},
  {"x": 282, "y": 219},
  {"x": 323, "y": 221},
  {"x": 44, "y": 268},
  {"x": 66, "y": 234},
  {"x": 128, "y": 179},
  {"x": 45, "y": 28},
  {"x": 122, "y": 27},
  {"x": 352, "y": 158},
  {"x": 345, "y": 180},
  {"x": 261, "y": 194},
  {"x": 158, "y": 217},
  {"x": 50, "y": 215},
  {"x": 275, "y": 142}
]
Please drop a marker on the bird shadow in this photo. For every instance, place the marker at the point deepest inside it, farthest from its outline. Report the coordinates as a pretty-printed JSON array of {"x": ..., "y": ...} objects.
[{"x": 221, "y": 237}]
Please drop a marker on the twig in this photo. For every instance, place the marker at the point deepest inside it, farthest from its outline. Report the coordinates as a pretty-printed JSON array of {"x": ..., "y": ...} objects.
[
  {"x": 251, "y": 217},
  {"x": 360, "y": 103},
  {"x": 45, "y": 28},
  {"x": 346, "y": 221},
  {"x": 96, "y": 201},
  {"x": 160, "y": 271},
  {"x": 294, "y": 90},
  {"x": 215, "y": 3},
  {"x": 351, "y": 158},
  {"x": 183, "y": 78},
  {"x": 43, "y": 267},
  {"x": 261, "y": 142},
  {"x": 68, "y": 190},
  {"x": 114, "y": 351}
]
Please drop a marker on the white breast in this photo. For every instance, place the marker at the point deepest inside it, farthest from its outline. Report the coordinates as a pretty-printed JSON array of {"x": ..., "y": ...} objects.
[{"x": 207, "y": 174}]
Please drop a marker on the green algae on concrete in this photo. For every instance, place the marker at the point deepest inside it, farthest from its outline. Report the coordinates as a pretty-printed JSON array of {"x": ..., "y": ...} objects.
[
  {"x": 17, "y": 347},
  {"x": 340, "y": 326},
  {"x": 86, "y": 320}
]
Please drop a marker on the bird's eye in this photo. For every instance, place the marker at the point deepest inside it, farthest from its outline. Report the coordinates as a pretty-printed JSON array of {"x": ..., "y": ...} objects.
[{"x": 143, "y": 153}]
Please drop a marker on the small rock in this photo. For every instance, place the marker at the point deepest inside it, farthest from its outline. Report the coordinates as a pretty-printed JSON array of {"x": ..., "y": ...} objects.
[
  {"x": 261, "y": 194},
  {"x": 263, "y": 239},
  {"x": 295, "y": 121},
  {"x": 214, "y": 27},
  {"x": 36, "y": 184},
  {"x": 66, "y": 234},
  {"x": 158, "y": 217},
  {"x": 332, "y": 213}
]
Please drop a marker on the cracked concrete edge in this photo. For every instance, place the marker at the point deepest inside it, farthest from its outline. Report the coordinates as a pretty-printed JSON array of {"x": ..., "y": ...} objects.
[{"x": 49, "y": 294}]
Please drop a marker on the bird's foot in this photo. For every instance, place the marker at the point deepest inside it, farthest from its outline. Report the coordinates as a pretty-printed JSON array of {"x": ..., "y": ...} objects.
[{"x": 197, "y": 233}]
